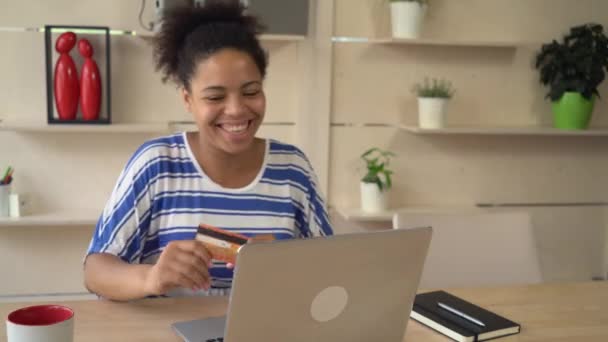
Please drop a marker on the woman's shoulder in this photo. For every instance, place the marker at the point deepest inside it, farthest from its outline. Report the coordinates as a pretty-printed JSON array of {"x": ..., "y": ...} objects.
[
  {"x": 168, "y": 143},
  {"x": 279, "y": 148},
  {"x": 287, "y": 155},
  {"x": 172, "y": 141},
  {"x": 170, "y": 146}
]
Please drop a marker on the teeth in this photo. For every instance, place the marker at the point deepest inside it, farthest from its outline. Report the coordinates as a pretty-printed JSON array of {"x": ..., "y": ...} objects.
[{"x": 235, "y": 128}]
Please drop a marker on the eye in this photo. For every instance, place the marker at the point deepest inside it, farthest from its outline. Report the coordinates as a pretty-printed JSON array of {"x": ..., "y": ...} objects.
[
  {"x": 214, "y": 98},
  {"x": 251, "y": 93}
]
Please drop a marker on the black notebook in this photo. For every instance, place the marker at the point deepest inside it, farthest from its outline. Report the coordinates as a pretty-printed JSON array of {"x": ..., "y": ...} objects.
[{"x": 459, "y": 319}]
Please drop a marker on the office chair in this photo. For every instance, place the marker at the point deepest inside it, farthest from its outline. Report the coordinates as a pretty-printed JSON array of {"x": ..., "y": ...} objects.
[{"x": 476, "y": 248}]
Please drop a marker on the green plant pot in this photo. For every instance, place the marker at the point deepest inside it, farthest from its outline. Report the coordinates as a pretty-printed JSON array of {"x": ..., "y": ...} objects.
[{"x": 572, "y": 111}]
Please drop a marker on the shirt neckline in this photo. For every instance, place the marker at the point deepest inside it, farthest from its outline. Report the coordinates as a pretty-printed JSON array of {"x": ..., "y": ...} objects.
[{"x": 216, "y": 186}]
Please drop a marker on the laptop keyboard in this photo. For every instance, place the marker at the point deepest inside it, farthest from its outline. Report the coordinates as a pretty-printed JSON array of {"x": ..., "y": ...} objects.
[{"x": 219, "y": 339}]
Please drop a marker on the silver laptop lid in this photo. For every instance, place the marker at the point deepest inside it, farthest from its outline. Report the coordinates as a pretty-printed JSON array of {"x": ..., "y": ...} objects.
[{"x": 353, "y": 287}]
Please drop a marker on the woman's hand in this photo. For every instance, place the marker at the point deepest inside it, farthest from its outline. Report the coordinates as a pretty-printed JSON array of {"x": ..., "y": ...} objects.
[
  {"x": 181, "y": 264},
  {"x": 257, "y": 238}
]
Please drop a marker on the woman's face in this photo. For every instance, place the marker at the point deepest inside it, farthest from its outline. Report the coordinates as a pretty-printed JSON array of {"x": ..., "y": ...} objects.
[{"x": 227, "y": 100}]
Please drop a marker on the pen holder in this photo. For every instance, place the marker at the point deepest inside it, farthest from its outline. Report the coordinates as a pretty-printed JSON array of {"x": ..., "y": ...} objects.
[{"x": 5, "y": 190}]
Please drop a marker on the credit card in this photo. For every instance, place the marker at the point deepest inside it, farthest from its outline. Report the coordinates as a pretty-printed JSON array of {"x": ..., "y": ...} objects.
[{"x": 222, "y": 244}]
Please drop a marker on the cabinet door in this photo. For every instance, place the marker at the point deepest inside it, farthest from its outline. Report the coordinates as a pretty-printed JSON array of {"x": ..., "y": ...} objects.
[
  {"x": 279, "y": 16},
  {"x": 282, "y": 17}
]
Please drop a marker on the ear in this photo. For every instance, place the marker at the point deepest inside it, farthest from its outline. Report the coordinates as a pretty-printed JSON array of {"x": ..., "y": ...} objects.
[{"x": 187, "y": 99}]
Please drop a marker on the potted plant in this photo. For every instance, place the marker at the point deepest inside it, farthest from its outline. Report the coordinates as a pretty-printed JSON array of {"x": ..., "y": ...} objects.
[
  {"x": 407, "y": 17},
  {"x": 377, "y": 180},
  {"x": 433, "y": 97},
  {"x": 573, "y": 70}
]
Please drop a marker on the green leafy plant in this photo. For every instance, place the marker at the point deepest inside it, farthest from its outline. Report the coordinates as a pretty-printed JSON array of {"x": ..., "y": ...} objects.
[
  {"x": 578, "y": 64},
  {"x": 422, "y": 2},
  {"x": 438, "y": 88},
  {"x": 377, "y": 162}
]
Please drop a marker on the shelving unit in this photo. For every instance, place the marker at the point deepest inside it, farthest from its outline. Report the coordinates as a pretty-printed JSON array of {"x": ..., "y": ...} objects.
[
  {"x": 53, "y": 219},
  {"x": 150, "y": 127},
  {"x": 356, "y": 214},
  {"x": 521, "y": 131},
  {"x": 282, "y": 37},
  {"x": 147, "y": 35},
  {"x": 481, "y": 130},
  {"x": 113, "y": 32},
  {"x": 83, "y": 128},
  {"x": 135, "y": 127},
  {"x": 432, "y": 42}
]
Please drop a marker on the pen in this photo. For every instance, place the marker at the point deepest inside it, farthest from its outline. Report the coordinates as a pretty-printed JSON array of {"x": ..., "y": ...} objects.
[
  {"x": 460, "y": 313},
  {"x": 9, "y": 177},
  {"x": 4, "y": 177}
]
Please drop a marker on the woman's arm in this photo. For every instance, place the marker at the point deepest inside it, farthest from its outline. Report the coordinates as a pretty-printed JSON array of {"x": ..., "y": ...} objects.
[
  {"x": 112, "y": 278},
  {"x": 181, "y": 264}
]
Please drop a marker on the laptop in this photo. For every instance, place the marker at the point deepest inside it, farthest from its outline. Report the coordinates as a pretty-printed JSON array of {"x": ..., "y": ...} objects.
[{"x": 352, "y": 287}]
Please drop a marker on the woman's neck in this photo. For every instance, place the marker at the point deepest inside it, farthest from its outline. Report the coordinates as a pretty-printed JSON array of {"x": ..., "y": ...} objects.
[{"x": 228, "y": 170}]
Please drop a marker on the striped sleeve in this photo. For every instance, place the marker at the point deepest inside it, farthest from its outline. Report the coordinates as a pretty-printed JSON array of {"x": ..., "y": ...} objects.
[
  {"x": 318, "y": 220},
  {"x": 118, "y": 230}
]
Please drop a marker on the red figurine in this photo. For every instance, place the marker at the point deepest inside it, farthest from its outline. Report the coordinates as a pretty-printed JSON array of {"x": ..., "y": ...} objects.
[
  {"x": 90, "y": 83},
  {"x": 66, "y": 78}
]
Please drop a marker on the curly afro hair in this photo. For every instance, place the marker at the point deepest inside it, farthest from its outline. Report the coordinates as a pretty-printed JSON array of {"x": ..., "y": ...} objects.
[{"x": 191, "y": 34}]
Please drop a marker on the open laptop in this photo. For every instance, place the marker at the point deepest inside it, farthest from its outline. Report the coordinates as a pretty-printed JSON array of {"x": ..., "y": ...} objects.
[{"x": 353, "y": 287}]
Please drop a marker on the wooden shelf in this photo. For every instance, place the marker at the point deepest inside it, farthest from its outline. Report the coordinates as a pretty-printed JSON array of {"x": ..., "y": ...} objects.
[
  {"x": 148, "y": 35},
  {"x": 84, "y": 128},
  {"x": 356, "y": 214},
  {"x": 433, "y": 42},
  {"x": 282, "y": 37},
  {"x": 62, "y": 219},
  {"x": 531, "y": 131},
  {"x": 263, "y": 37}
]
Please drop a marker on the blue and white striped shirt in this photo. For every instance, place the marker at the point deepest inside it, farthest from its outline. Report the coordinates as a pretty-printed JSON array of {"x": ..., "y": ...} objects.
[{"x": 163, "y": 195}]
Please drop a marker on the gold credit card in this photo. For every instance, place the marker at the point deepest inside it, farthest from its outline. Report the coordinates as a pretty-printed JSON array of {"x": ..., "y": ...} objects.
[{"x": 224, "y": 245}]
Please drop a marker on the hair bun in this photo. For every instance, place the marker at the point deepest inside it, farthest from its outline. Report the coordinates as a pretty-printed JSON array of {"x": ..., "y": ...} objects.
[
  {"x": 211, "y": 12},
  {"x": 213, "y": 17},
  {"x": 221, "y": 11}
]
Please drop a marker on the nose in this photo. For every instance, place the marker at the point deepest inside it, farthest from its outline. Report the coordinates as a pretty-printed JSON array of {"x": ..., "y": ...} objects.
[{"x": 235, "y": 105}]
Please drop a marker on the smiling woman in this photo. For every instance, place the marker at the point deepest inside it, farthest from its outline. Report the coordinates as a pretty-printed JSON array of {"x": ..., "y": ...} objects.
[
  {"x": 228, "y": 103},
  {"x": 221, "y": 175}
]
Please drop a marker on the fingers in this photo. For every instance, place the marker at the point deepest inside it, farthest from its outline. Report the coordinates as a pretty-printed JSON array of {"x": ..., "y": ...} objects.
[
  {"x": 197, "y": 248},
  {"x": 193, "y": 268},
  {"x": 182, "y": 280},
  {"x": 183, "y": 264},
  {"x": 181, "y": 275}
]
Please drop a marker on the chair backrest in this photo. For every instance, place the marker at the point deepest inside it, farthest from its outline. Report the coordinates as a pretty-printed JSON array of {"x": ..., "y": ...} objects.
[{"x": 476, "y": 249}]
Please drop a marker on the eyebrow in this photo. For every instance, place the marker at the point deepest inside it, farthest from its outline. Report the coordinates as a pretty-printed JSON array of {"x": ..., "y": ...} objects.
[
  {"x": 220, "y": 88},
  {"x": 247, "y": 84},
  {"x": 213, "y": 88}
]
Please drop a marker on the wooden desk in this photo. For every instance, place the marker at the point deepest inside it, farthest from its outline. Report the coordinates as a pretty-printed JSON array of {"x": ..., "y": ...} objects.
[{"x": 549, "y": 312}]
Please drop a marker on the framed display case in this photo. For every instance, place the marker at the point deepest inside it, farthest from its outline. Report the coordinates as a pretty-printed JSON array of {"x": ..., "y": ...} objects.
[{"x": 78, "y": 74}]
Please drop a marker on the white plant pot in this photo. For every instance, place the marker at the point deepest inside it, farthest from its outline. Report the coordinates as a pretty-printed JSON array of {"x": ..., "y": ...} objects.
[
  {"x": 432, "y": 112},
  {"x": 373, "y": 200},
  {"x": 407, "y": 18}
]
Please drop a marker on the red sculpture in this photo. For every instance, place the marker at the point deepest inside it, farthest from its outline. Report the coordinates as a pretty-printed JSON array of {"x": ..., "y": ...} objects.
[
  {"x": 66, "y": 78},
  {"x": 90, "y": 83}
]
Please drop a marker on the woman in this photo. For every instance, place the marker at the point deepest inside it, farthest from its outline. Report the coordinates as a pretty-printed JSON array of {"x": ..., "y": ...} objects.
[{"x": 221, "y": 175}]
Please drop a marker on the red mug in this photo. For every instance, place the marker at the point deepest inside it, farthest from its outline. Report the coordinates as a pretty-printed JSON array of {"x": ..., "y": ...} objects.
[{"x": 48, "y": 323}]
